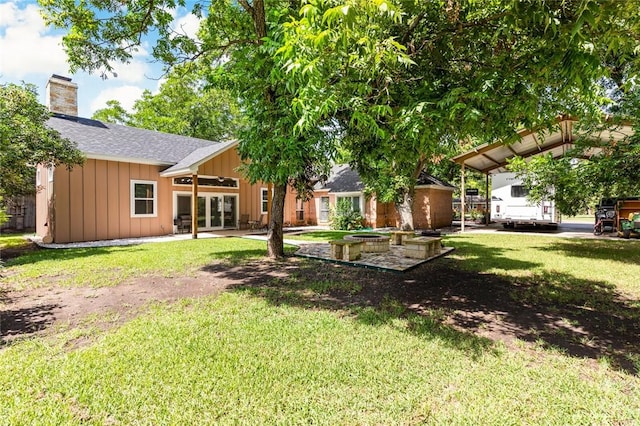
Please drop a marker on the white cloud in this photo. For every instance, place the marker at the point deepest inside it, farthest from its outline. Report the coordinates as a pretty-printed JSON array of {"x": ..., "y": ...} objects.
[
  {"x": 126, "y": 95},
  {"x": 26, "y": 47},
  {"x": 134, "y": 72},
  {"x": 188, "y": 25}
]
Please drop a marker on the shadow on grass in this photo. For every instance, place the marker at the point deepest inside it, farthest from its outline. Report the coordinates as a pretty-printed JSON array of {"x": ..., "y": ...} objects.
[
  {"x": 315, "y": 285},
  {"x": 24, "y": 321},
  {"x": 483, "y": 257},
  {"x": 615, "y": 250},
  {"x": 44, "y": 254},
  {"x": 466, "y": 310},
  {"x": 239, "y": 257}
]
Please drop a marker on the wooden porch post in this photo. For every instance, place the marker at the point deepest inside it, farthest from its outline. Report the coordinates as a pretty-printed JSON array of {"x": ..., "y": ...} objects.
[
  {"x": 194, "y": 206},
  {"x": 462, "y": 196}
]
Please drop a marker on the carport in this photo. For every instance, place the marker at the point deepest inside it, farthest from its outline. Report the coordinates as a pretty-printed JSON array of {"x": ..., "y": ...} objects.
[{"x": 493, "y": 157}]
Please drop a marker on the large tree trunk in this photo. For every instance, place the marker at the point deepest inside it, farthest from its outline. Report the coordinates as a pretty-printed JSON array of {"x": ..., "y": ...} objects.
[
  {"x": 275, "y": 244},
  {"x": 405, "y": 210}
]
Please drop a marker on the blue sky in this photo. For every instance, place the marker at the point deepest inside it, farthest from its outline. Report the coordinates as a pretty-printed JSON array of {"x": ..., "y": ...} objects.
[{"x": 31, "y": 52}]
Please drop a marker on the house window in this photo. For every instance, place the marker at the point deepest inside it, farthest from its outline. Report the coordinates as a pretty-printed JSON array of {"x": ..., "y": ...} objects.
[
  {"x": 50, "y": 173},
  {"x": 38, "y": 177},
  {"x": 353, "y": 200},
  {"x": 144, "y": 198},
  {"x": 324, "y": 209},
  {"x": 264, "y": 200},
  {"x": 299, "y": 210}
]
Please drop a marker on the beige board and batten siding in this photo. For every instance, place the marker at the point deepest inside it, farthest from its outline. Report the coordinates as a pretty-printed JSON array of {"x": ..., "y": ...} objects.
[{"x": 93, "y": 202}]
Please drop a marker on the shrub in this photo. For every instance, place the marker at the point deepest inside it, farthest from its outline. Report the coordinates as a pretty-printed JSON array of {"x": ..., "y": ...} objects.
[{"x": 343, "y": 217}]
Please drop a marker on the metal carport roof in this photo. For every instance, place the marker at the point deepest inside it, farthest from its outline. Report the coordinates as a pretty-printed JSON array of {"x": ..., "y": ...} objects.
[{"x": 492, "y": 157}]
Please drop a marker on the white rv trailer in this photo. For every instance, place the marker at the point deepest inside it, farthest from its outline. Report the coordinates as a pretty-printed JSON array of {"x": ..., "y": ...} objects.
[{"x": 510, "y": 206}]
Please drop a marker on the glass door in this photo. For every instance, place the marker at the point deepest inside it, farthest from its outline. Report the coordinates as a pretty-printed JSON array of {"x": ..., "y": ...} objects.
[
  {"x": 215, "y": 206},
  {"x": 214, "y": 211},
  {"x": 230, "y": 211},
  {"x": 202, "y": 213}
]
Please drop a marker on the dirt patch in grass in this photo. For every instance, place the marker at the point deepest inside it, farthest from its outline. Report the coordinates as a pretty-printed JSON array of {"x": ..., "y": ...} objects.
[
  {"x": 27, "y": 312},
  {"x": 483, "y": 305}
]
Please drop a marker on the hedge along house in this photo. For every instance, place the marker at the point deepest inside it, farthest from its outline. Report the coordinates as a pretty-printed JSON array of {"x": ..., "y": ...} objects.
[
  {"x": 136, "y": 182},
  {"x": 432, "y": 205}
]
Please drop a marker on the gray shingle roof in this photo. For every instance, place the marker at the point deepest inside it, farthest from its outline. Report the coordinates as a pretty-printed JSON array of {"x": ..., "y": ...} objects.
[
  {"x": 95, "y": 138},
  {"x": 344, "y": 179}
]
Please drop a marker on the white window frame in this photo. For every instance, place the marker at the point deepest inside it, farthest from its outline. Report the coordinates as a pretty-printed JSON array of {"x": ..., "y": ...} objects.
[
  {"x": 133, "y": 199},
  {"x": 38, "y": 177},
  {"x": 299, "y": 210},
  {"x": 50, "y": 173},
  {"x": 264, "y": 191},
  {"x": 351, "y": 195}
]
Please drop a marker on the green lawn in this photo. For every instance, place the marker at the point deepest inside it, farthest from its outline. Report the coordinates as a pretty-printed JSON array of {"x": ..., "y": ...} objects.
[
  {"x": 12, "y": 241},
  {"x": 107, "y": 266},
  {"x": 615, "y": 263},
  {"x": 239, "y": 358}
]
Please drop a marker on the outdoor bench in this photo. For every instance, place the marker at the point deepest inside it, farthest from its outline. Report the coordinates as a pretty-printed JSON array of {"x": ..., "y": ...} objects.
[
  {"x": 422, "y": 247},
  {"x": 398, "y": 238},
  {"x": 345, "y": 250}
]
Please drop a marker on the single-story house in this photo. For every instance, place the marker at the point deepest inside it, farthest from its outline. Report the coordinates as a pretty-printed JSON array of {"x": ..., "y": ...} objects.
[
  {"x": 432, "y": 207},
  {"x": 137, "y": 182}
]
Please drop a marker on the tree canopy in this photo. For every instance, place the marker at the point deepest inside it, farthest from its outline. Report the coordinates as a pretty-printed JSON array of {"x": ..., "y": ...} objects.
[
  {"x": 25, "y": 141},
  {"x": 407, "y": 85},
  {"x": 578, "y": 179},
  {"x": 184, "y": 105}
]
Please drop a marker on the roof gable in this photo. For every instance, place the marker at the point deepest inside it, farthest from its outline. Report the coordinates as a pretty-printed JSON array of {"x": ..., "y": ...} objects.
[{"x": 342, "y": 178}]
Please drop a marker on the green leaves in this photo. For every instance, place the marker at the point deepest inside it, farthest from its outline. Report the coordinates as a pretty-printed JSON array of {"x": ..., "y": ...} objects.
[{"x": 26, "y": 141}]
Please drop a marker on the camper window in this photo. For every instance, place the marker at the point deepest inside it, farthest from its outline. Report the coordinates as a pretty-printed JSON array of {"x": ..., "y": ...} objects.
[{"x": 519, "y": 191}]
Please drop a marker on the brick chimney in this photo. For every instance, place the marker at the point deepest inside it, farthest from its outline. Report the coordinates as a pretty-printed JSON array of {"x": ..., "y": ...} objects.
[{"x": 62, "y": 95}]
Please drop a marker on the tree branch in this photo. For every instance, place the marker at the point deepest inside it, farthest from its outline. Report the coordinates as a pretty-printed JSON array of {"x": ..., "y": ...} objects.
[{"x": 245, "y": 4}]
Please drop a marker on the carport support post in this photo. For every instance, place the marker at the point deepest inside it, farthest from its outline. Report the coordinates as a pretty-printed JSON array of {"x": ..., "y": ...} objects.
[
  {"x": 194, "y": 206},
  {"x": 462, "y": 203},
  {"x": 487, "y": 214}
]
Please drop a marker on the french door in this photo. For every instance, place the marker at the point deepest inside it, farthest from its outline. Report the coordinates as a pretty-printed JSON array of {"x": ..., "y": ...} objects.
[{"x": 215, "y": 211}]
